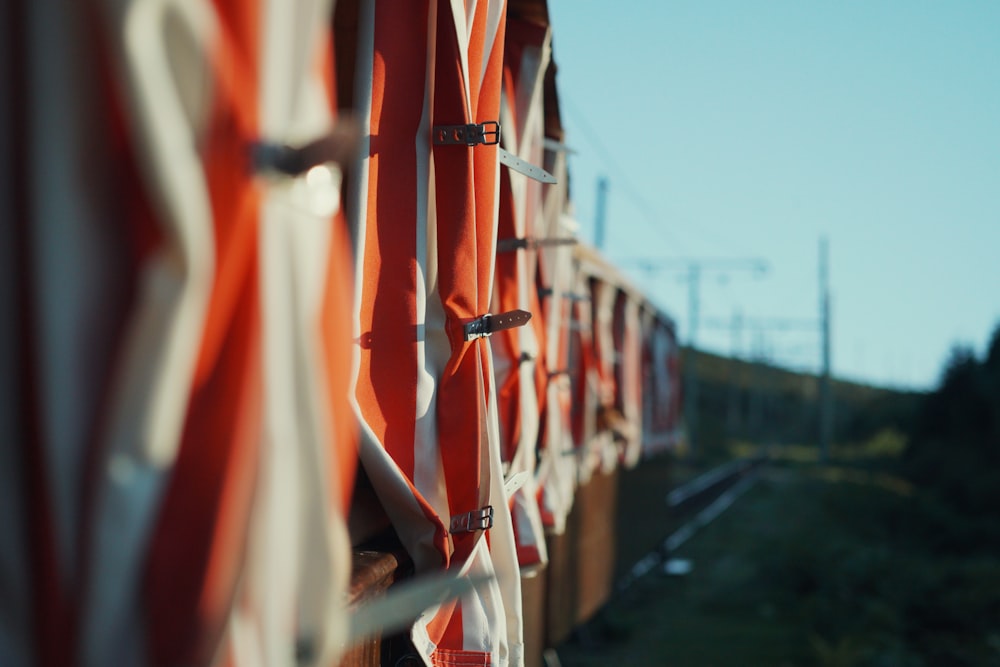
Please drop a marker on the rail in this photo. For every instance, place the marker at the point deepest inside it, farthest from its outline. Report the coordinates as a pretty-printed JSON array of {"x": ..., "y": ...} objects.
[{"x": 700, "y": 501}]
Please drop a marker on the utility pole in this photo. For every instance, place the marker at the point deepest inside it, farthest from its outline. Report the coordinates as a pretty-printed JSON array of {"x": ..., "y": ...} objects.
[
  {"x": 757, "y": 394},
  {"x": 733, "y": 421},
  {"x": 825, "y": 395},
  {"x": 691, "y": 367},
  {"x": 693, "y": 269},
  {"x": 600, "y": 218}
]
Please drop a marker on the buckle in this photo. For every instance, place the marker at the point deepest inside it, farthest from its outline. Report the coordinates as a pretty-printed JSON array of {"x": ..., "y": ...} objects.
[
  {"x": 488, "y": 324},
  {"x": 285, "y": 160},
  {"x": 545, "y": 292},
  {"x": 278, "y": 158},
  {"x": 486, "y": 133},
  {"x": 509, "y": 245},
  {"x": 480, "y": 519},
  {"x": 551, "y": 144}
]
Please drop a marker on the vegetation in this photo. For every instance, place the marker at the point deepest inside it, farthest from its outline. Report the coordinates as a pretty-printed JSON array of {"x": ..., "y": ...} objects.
[
  {"x": 954, "y": 451},
  {"x": 760, "y": 403},
  {"x": 887, "y": 556}
]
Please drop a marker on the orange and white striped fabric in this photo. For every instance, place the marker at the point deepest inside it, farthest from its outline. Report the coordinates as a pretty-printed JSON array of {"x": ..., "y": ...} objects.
[
  {"x": 628, "y": 368},
  {"x": 557, "y": 468},
  {"x": 586, "y": 381},
  {"x": 518, "y": 353},
  {"x": 190, "y": 510},
  {"x": 426, "y": 233},
  {"x": 603, "y": 294},
  {"x": 662, "y": 387}
]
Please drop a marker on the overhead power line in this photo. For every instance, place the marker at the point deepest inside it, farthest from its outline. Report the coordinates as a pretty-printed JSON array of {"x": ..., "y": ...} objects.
[
  {"x": 768, "y": 323},
  {"x": 621, "y": 178},
  {"x": 652, "y": 215}
]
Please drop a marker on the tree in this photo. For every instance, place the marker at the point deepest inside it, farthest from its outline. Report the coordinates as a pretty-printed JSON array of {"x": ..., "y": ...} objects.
[{"x": 954, "y": 449}]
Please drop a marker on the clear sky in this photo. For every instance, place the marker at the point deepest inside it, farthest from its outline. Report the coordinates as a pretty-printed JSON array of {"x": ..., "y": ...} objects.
[{"x": 752, "y": 128}]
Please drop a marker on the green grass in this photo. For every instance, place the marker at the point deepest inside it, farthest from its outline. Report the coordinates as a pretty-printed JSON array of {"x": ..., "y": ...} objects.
[
  {"x": 816, "y": 565},
  {"x": 706, "y": 618}
]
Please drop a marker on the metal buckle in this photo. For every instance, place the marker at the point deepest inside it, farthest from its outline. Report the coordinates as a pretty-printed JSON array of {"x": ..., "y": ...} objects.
[
  {"x": 551, "y": 144},
  {"x": 480, "y": 519},
  {"x": 488, "y": 324},
  {"x": 509, "y": 245},
  {"x": 286, "y": 160},
  {"x": 545, "y": 292},
  {"x": 486, "y": 133}
]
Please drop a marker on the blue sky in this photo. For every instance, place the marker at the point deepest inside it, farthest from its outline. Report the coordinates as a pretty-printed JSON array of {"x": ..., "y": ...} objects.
[{"x": 742, "y": 128}]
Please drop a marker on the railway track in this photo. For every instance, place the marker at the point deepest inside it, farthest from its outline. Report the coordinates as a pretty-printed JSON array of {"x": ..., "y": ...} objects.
[{"x": 692, "y": 506}]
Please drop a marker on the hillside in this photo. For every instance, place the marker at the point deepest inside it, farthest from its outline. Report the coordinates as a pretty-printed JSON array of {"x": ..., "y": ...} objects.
[{"x": 739, "y": 400}]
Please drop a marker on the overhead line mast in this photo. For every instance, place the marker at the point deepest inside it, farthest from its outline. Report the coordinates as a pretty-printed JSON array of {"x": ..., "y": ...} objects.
[
  {"x": 600, "y": 220},
  {"x": 825, "y": 395}
]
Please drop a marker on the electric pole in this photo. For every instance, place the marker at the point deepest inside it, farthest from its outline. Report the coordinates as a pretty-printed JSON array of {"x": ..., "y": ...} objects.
[
  {"x": 600, "y": 217},
  {"x": 825, "y": 394},
  {"x": 733, "y": 420},
  {"x": 691, "y": 367}
]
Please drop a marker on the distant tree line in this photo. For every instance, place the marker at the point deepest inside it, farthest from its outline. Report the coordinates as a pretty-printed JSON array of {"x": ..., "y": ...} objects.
[{"x": 954, "y": 442}]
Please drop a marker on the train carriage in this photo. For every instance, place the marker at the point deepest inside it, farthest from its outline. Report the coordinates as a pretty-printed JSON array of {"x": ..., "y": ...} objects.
[{"x": 259, "y": 246}]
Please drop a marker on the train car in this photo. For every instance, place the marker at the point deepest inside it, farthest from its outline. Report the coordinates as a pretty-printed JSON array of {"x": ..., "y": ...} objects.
[{"x": 304, "y": 348}]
